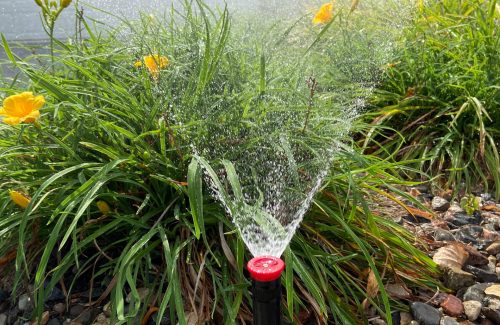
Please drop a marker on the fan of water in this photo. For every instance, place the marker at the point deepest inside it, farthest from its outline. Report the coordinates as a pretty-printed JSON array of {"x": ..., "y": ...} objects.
[
  {"x": 274, "y": 118},
  {"x": 267, "y": 155}
]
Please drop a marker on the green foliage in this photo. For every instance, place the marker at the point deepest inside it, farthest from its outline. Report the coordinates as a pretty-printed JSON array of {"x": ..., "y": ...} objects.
[
  {"x": 470, "y": 203},
  {"x": 440, "y": 100},
  {"x": 107, "y": 134}
]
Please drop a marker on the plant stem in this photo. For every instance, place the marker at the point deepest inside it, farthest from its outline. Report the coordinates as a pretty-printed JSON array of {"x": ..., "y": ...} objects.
[{"x": 311, "y": 84}]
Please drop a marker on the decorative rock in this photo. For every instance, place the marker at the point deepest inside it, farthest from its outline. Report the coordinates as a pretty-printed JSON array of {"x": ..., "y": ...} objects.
[
  {"x": 491, "y": 314},
  {"x": 476, "y": 292},
  {"x": 55, "y": 295},
  {"x": 452, "y": 306},
  {"x": 425, "y": 314},
  {"x": 494, "y": 248},
  {"x": 493, "y": 290},
  {"x": 379, "y": 322},
  {"x": 86, "y": 316},
  {"x": 101, "y": 320},
  {"x": 414, "y": 322},
  {"x": 475, "y": 257},
  {"x": 481, "y": 275},
  {"x": 455, "y": 208},
  {"x": 396, "y": 318},
  {"x": 449, "y": 321},
  {"x": 54, "y": 321},
  {"x": 440, "y": 204},
  {"x": 443, "y": 235},
  {"x": 455, "y": 278},
  {"x": 3, "y": 319},
  {"x": 472, "y": 309},
  {"x": 405, "y": 318},
  {"x": 59, "y": 308},
  {"x": 76, "y": 310},
  {"x": 486, "y": 322},
  {"x": 24, "y": 303}
]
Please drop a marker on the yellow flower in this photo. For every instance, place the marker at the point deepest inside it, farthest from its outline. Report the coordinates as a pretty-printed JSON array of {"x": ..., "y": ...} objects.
[
  {"x": 103, "y": 207},
  {"x": 324, "y": 14},
  {"x": 65, "y": 3},
  {"x": 21, "y": 108},
  {"x": 19, "y": 199},
  {"x": 154, "y": 63}
]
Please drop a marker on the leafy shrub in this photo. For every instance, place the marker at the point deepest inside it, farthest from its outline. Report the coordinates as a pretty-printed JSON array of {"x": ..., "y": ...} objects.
[
  {"x": 103, "y": 174},
  {"x": 440, "y": 100}
]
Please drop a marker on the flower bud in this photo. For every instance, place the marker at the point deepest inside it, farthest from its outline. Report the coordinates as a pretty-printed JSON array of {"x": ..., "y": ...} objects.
[
  {"x": 65, "y": 3},
  {"x": 39, "y": 3}
]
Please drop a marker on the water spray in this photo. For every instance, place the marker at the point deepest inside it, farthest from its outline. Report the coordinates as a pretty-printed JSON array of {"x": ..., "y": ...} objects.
[{"x": 265, "y": 272}]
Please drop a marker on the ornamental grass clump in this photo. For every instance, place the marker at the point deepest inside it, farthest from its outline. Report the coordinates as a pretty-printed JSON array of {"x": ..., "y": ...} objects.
[
  {"x": 112, "y": 197},
  {"x": 440, "y": 102}
]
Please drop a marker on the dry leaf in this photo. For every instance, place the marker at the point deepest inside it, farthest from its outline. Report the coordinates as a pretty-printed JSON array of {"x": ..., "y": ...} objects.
[
  {"x": 354, "y": 5},
  {"x": 451, "y": 256},
  {"x": 420, "y": 213},
  {"x": 493, "y": 290},
  {"x": 491, "y": 207},
  {"x": 371, "y": 289},
  {"x": 398, "y": 290}
]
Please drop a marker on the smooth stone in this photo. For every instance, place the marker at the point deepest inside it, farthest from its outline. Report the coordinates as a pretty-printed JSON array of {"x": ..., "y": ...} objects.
[
  {"x": 76, "y": 310},
  {"x": 481, "y": 275},
  {"x": 443, "y": 235},
  {"x": 24, "y": 303},
  {"x": 494, "y": 248},
  {"x": 491, "y": 314},
  {"x": 86, "y": 316},
  {"x": 475, "y": 257},
  {"x": 379, "y": 322},
  {"x": 4, "y": 295},
  {"x": 455, "y": 278},
  {"x": 101, "y": 319},
  {"x": 486, "y": 322},
  {"x": 55, "y": 295},
  {"x": 463, "y": 219},
  {"x": 446, "y": 320},
  {"x": 59, "y": 308},
  {"x": 440, "y": 204},
  {"x": 54, "y": 321},
  {"x": 425, "y": 314},
  {"x": 476, "y": 292},
  {"x": 405, "y": 318},
  {"x": 486, "y": 196},
  {"x": 414, "y": 322},
  {"x": 452, "y": 306},
  {"x": 3, "y": 319},
  {"x": 4, "y": 306},
  {"x": 472, "y": 309},
  {"x": 396, "y": 318}
]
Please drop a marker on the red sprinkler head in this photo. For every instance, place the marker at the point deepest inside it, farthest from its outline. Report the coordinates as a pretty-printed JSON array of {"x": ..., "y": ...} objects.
[{"x": 265, "y": 268}]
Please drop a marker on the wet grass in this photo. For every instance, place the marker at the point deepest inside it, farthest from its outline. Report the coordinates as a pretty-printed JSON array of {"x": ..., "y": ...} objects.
[
  {"x": 105, "y": 135},
  {"x": 440, "y": 100}
]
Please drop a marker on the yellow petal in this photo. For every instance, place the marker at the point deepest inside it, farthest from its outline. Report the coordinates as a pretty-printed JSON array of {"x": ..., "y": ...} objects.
[
  {"x": 38, "y": 102},
  {"x": 19, "y": 199},
  {"x": 12, "y": 120},
  {"x": 2, "y": 111},
  {"x": 138, "y": 64},
  {"x": 324, "y": 14},
  {"x": 103, "y": 207},
  {"x": 31, "y": 117}
]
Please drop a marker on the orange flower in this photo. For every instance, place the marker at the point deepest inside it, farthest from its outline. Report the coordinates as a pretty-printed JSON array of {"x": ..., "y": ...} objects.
[
  {"x": 324, "y": 14},
  {"x": 19, "y": 199},
  {"x": 154, "y": 63},
  {"x": 21, "y": 108}
]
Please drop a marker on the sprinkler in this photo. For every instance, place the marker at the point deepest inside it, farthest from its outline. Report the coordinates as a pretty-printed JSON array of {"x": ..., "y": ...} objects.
[{"x": 265, "y": 272}]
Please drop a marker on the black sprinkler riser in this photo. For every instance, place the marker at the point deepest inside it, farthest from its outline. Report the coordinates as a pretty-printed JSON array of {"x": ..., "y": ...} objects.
[{"x": 267, "y": 302}]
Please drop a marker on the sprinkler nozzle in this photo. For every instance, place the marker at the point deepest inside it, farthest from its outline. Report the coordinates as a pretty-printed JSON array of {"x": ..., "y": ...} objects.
[
  {"x": 265, "y": 268},
  {"x": 265, "y": 272}
]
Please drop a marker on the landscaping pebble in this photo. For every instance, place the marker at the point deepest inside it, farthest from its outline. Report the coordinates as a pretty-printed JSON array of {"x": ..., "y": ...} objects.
[
  {"x": 481, "y": 275},
  {"x": 425, "y": 314},
  {"x": 54, "y": 321},
  {"x": 405, "y": 318},
  {"x": 452, "y": 306},
  {"x": 472, "y": 309},
  {"x": 494, "y": 248},
  {"x": 3, "y": 319},
  {"x": 440, "y": 204},
  {"x": 449, "y": 321},
  {"x": 24, "y": 303}
]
